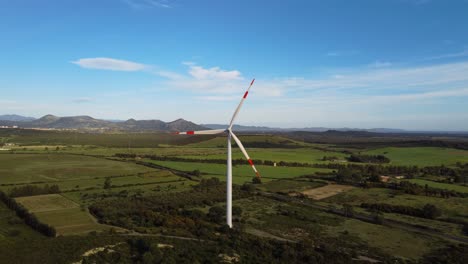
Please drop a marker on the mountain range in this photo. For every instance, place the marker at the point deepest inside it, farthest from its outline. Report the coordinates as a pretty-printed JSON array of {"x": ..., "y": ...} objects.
[{"x": 90, "y": 123}]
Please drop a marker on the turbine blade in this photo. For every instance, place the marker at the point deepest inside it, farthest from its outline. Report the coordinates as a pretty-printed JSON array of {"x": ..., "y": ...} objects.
[
  {"x": 240, "y": 105},
  {"x": 201, "y": 132},
  {"x": 239, "y": 143}
]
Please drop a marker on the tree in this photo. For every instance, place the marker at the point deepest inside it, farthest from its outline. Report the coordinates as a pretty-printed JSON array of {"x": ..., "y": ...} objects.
[
  {"x": 378, "y": 217},
  {"x": 216, "y": 214},
  {"x": 256, "y": 180},
  {"x": 250, "y": 188},
  {"x": 196, "y": 172},
  {"x": 108, "y": 183},
  {"x": 465, "y": 229},
  {"x": 431, "y": 211},
  {"x": 236, "y": 210},
  {"x": 348, "y": 210}
]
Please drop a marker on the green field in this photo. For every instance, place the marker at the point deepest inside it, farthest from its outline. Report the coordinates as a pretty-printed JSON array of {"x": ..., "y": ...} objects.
[
  {"x": 87, "y": 197},
  {"x": 63, "y": 214},
  {"x": 421, "y": 156},
  {"x": 30, "y": 137},
  {"x": 241, "y": 170},
  {"x": 447, "y": 186},
  {"x": 13, "y": 229},
  {"x": 28, "y": 168},
  {"x": 392, "y": 241},
  {"x": 247, "y": 140},
  {"x": 302, "y": 155},
  {"x": 451, "y": 207},
  {"x": 262, "y": 214}
]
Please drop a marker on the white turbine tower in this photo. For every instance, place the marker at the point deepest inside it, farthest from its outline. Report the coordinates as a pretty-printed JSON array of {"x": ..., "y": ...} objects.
[{"x": 230, "y": 135}]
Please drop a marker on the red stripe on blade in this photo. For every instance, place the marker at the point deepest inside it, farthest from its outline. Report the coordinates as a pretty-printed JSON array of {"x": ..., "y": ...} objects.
[
  {"x": 250, "y": 162},
  {"x": 190, "y": 132},
  {"x": 252, "y": 81},
  {"x": 245, "y": 95}
]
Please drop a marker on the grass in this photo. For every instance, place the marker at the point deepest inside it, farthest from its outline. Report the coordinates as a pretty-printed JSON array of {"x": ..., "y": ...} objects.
[
  {"x": 241, "y": 170},
  {"x": 28, "y": 137},
  {"x": 392, "y": 241},
  {"x": 290, "y": 185},
  {"x": 29, "y": 168},
  {"x": 61, "y": 213},
  {"x": 157, "y": 176},
  {"x": 44, "y": 203},
  {"x": 87, "y": 197},
  {"x": 221, "y": 142},
  {"x": 443, "y": 227},
  {"x": 71, "y": 221},
  {"x": 451, "y": 207},
  {"x": 422, "y": 156},
  {"x": 447, "y": 186},
  {"x": 262, "y": 214},
  {"x": 12, "y": 228},
  {"x": 303, "y": 155}
]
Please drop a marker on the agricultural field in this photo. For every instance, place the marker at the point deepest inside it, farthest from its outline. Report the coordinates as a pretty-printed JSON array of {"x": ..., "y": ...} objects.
[
  {"x": 446, "y": 186},
  {"x": 88, "y": 174},
  {"x": 421, "y": 156},
  {"x": 267, "y": 141},
  {"x": 301, "y": 155},
  {"x": 451, "y": 207},
  {"x": 268, "y": 172},
  {"x": 65, "y": 215},
  {"x": 326, "y": 191},
  {"x": 290, "y": 185},
  {"x": 30, "y": 168}
]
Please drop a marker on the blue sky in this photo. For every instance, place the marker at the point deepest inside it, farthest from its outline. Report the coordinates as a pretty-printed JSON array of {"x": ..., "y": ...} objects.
[{"x": 375, "y": 63}]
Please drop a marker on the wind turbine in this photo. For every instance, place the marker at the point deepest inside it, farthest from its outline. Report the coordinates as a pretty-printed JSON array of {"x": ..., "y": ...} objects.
[{"x": 230, "y": 135}]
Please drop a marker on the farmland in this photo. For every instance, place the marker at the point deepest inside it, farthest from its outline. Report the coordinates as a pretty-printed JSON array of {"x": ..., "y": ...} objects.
[
  {"x": 166, "y": 186},
  {"x": 422, "y": 156},
  {"x": 66, "y": 216}
]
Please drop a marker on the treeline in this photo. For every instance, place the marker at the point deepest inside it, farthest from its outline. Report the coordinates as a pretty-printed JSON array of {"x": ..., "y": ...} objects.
[
  {"x": 416, "y": 189},
  {"x": 30, "y": 190},
  {"x": 429, "y": 211},
  {"x": 368, "y": 158},
  {"x": 30, "y": 219},
  {"x": 363, "y": 169},
  {"x": 169, "y": 210}
]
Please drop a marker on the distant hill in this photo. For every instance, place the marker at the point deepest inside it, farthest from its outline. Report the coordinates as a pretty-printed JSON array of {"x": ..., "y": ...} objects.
[
  {"x": 264, "y": 129},
  {"x": 307, "y": 129},
  {"x": 15, "y": 118},
  {"x": 90, "y": 123}
]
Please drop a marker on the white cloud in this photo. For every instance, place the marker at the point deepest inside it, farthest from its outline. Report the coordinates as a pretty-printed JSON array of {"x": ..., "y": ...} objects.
[
  {"x": 139, "y": 4},
  {"x": 82, "y": 100},
  {"x": 422, "y": 77},
  {"x": 109, "y": 64},
  {"x": 463, "y": 53},
  {"x": 380, "y": 64},
  {"x": 214, "y": 73},
  {"x": 217, "y": 98}
]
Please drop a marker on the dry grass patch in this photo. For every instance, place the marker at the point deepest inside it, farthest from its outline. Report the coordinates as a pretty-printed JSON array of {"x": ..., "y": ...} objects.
[
  {"x": 326, "y": 191},
  {"x": 48, "y": 202}
]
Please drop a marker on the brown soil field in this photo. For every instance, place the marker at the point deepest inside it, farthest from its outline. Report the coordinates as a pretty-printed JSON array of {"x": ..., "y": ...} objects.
[{"x": 326, "y": 191}]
